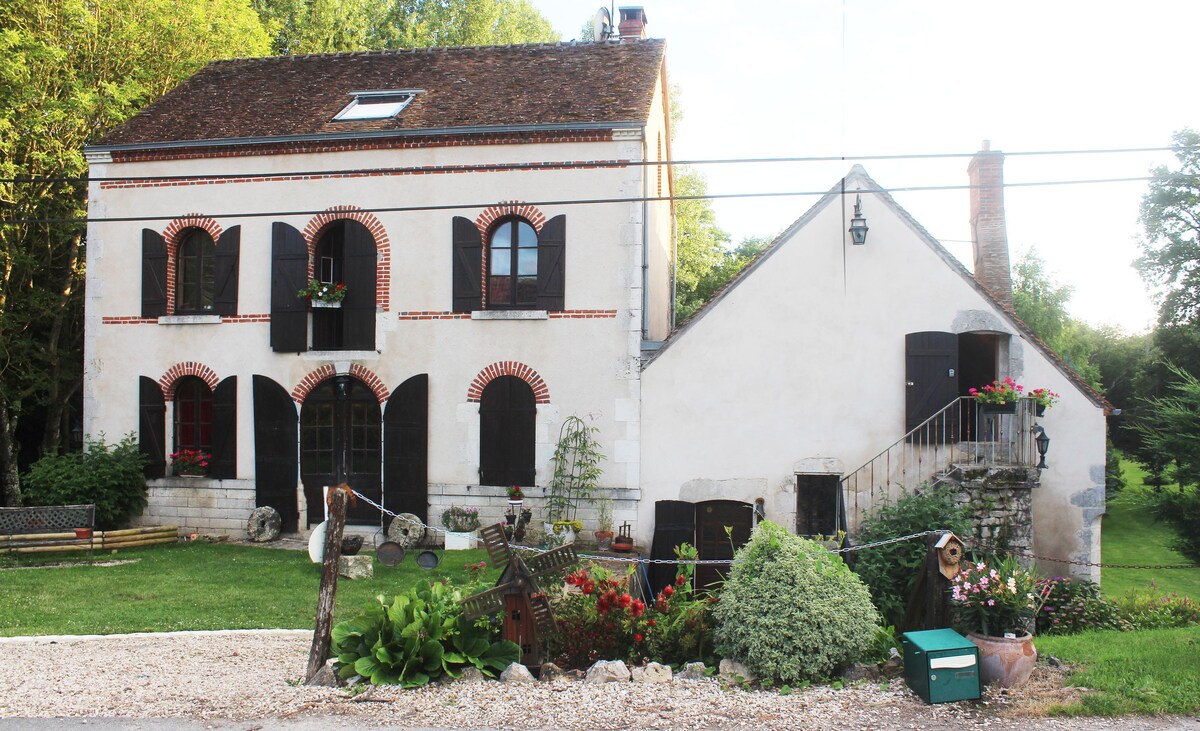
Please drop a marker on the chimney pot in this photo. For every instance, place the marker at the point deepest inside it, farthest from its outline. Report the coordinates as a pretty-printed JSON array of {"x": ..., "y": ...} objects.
[
  {"x": 989, "y": 234},
  {"x": 633, "y": 22}
]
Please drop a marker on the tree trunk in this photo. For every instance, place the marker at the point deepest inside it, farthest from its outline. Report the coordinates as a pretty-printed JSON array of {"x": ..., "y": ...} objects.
[
  {"x": 329, "y": 578},
  {"x": 8, "y": 457}
]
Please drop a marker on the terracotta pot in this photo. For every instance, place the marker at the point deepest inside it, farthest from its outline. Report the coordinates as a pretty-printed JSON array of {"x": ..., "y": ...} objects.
[
  {"x": 604, "y": 539},
  {"x": 1005, "y": 661},
  {"x": 622, "y": 544},
  {"x": 83, "y": 533}
]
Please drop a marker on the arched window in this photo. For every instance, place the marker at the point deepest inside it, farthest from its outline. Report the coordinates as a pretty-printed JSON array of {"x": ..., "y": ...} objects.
[
  {"x": 507, "y": 416},
  {"x": 193, "y": 415},
  {"x": 513, "y": 265},
  {"x": 196, "y": 273},
  {"x": 346, "y": 254}
]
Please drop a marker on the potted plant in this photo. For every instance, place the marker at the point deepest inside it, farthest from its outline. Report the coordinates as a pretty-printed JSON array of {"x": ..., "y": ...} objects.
[
  {"x": 190, "y": 463},
  {"x": 1043, "y": 398},
  {"x": 460, "y": 523},
  {"x": 998, "y": 397},
  {"x": 604, "y": 535},
  {"x": 324, "y": 294},
  {"x": 515, "y": 496},
  {"x": 997, "y": 602}
]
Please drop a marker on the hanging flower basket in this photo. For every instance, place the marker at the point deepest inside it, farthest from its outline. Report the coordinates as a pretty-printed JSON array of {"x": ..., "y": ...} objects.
[{"x": 324, "y": 294}]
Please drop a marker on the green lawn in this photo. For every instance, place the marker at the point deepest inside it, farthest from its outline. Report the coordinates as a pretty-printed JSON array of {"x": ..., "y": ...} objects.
[
  {"x": 191, "y": 586},
  {"x": 1131, "y": 536},
  {"x": 1147, "y": 672}
]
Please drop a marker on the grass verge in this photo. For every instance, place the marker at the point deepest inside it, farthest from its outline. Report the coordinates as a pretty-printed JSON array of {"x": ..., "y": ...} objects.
[
  {"x": 1147, "y": 672},
  {"x": 196, "y": 586}
]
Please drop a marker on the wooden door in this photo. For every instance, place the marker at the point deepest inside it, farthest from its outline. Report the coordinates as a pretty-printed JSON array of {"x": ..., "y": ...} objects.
[
  {"x": 340, "y": 430},
  {"x": 507, "y": 419},
  {"x": 722, "y": 526},
  {"x": 674, "y": 523},
  {"x": 931, "y": 378},
  {"x": 275, "y": 451},
  {"x": 405, "y": 448}
]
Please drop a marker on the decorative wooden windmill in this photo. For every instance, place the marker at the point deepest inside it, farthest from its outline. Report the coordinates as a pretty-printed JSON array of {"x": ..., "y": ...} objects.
[{"x": 528, "y": 620}]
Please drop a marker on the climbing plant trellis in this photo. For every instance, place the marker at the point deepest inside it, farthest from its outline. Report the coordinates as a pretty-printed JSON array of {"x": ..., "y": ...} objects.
[{"x": 577, "y": 458}]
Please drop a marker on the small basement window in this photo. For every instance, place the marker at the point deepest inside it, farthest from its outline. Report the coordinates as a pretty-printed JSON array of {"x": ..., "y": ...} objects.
[{"x": 375, "y": 105}]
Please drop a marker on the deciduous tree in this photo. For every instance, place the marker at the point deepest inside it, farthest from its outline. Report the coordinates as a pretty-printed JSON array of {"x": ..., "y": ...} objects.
[{"x": 1170, "y": 258}]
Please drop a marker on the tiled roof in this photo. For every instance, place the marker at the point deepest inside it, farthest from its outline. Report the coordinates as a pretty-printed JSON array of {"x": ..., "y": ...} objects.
[{"x": 486, "y": 86}]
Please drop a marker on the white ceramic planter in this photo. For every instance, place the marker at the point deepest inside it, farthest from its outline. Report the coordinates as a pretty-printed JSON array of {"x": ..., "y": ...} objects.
[
  {"x": 459, "y": 541},
  {"x": 321, "y": 305}
]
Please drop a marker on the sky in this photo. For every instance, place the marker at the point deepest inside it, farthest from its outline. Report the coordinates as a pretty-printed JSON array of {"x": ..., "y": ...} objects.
[{"x": 808, "y": 78}]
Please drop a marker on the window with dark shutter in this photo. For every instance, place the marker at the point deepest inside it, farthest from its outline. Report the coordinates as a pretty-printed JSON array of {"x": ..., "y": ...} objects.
[
  {"x": 468, "y": 263},
  {"x": 817, "y": 500},
  {"x": 275, "y": 439},
  {"x": 195, "y": 273},
  {"x": 289, "y": 275},
  {"x": 224, "y": 430},
  {"x": 507, "y": 417},
  {"x": 154, "y": 274},
  {"x": 152, "y": 426},
  {"x": 225, "y": 288},
  {"x": 193, "y": 415},
  {"x": 513, "y": 265},
  {"x": 346, "y": 254},
  {"x": 552, "y": 264}
]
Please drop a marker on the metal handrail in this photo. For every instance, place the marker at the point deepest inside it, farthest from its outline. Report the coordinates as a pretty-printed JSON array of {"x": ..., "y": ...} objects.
[{"x": 960, "y": 432}]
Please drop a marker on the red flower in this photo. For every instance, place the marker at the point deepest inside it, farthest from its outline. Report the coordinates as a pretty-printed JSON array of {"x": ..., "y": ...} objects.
[
  {"x": 681, "y": 579},
  {"x": 626, "y": 600},
  {"x": 652, "y": 623},
  {"x": 668, "y": 591},
  {"x": 637, "y": 637}
]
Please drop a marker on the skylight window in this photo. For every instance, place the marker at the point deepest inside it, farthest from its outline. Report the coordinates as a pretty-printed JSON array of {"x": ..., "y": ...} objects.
[{"x": 375, "y": 105}]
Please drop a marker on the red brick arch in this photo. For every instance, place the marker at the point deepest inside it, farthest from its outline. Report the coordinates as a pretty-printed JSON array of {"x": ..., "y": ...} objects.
[
  {"x": 541, "y": 392},
  {"x": 327, "y": 371},
  {"x": 173, "y": 236},
  {"x": 383, "y": 245},
  {"x": 170, "y": 379},
  {"x": 491, "y": 214}
]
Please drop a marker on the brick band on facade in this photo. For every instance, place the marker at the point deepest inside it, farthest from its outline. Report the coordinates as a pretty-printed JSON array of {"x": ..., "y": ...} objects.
[
  {"x": 173, "y": 237},
  {"x": 383, "y": 245},
  {"x": 327, "y": 371},
  {"x": 541, "y": 392},
  {"x": 170, "y": 380}
]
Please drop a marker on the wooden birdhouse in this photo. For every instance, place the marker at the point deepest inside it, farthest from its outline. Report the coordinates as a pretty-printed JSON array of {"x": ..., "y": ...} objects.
[
  {"x": 528, "y": 620},
  {"x": 950, "y": 554}
]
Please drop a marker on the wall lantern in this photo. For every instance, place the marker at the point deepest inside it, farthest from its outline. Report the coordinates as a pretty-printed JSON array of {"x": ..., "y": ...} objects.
[
  {"x": 858, "y": 224},
  {"x": 341, "y": 386},
  {"x": 1043, "y": 445}
]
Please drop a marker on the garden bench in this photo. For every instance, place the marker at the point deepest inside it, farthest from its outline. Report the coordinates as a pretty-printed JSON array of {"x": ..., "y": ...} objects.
[{"x": 47, "y": 528}]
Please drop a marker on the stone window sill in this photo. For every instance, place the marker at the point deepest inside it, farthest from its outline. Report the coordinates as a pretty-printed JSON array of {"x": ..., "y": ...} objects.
[
  {"x": 190, "y": 320},
  {"x": 510, "y": 315}
]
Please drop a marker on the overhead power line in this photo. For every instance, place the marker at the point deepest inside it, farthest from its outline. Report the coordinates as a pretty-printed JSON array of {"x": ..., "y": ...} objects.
[
  {"x": 570, "y": 202},
  {"x": 567, "y": 165}
]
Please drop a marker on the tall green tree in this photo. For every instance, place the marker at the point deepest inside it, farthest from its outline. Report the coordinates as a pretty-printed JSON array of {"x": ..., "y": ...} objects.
[
  {"x": 324, "y": 26},
  {"x": 70, "y": 70},
  {"x": 1041, "y": 303},
  {"x": 1170, "y": 214}
]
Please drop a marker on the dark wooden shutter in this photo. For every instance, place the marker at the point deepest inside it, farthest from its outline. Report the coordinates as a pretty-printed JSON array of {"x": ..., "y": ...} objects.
[
  {"x": 405, "y": 448},
  {"x": 674, "y": 523},
  {"x": 224, "y": 426},
  {"x": 275, "y": 439},
  {"x": 360, "y": 266},
  {"x": 225, "y": 294},
  {"x": 931, "y": 376},
  {"x": 289, "y": 274},
  {"x": 507, "y": 418},
  {"x": 152, "y": 426},
  {"x": 154, "y": 274},
  {"x": 468, "y": 266},
  {"x": 713, "y": 543},
  {"x": 552, "y": 264}
]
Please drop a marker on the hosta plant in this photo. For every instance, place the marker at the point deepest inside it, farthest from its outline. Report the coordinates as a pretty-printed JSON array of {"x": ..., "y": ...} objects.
[{"x": 418, "y": 637}]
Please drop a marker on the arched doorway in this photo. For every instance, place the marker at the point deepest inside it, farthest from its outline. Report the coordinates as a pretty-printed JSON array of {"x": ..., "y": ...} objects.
[{"x": 340, "y": 441}]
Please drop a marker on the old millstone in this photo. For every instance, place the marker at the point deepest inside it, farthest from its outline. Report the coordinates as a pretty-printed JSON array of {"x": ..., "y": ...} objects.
[
  {"x": 735, "y": 671},
  {"x": 607, "y": 671},
  {"x": 264, "y": 524},
  {"x": 693, "y": 671},
  {"x": 356, "y": 567},
  {"x": 517, "y": 673},
  {"x": 407, "y": 530},
  {"x": 651, "y": 673}
]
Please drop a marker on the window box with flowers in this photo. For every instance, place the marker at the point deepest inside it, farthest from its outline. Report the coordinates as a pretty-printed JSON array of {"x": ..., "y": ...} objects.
[
  {"x": 323, "y": 294},
  {"x": 190, "y": 463},
  {"x": 461, "y": 524},
  {"x": 997, "y": 602},
  {"x": 998, "y": 397},
  {"x": 1043, "y": 398}
]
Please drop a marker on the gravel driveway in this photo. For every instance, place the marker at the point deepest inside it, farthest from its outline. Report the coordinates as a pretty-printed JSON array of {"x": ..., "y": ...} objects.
[{"x": 250, "y": 680}]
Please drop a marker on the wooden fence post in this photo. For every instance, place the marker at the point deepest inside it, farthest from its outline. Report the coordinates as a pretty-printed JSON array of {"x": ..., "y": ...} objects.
[
  {"x": 329, "y": 578},
  {"x": 929, "y": 602}
]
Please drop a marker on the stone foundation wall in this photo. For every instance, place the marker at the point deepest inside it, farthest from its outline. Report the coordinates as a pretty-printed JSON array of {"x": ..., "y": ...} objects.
[
  {"x": 199, "y": 505},
  {"x": 1001, "y": 504},
  {"x": 492, "y": 503}
]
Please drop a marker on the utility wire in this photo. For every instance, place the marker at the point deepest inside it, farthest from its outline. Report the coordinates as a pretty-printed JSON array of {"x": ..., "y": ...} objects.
[
  {"x": 569, "y": 202},
  {"x": 569, "y": 165}
]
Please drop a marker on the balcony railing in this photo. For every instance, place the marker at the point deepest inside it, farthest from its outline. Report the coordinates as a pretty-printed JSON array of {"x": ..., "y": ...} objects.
[{"x": 963, "y": 432}]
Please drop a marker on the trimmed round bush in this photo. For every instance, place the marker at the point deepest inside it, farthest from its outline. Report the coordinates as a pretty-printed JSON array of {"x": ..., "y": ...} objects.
[
  {"x": 111, "y": 476},
  {"x": 792, "y": 611}
]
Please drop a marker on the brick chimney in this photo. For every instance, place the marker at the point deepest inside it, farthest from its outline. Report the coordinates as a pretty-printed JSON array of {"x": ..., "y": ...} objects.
[
  {"x": 989, "y": 236},
  {"x": 633, "y": 22}
]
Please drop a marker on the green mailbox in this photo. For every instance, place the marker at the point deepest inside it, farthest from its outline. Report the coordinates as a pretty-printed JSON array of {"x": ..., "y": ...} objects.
[{"x": 940, "y": 665}]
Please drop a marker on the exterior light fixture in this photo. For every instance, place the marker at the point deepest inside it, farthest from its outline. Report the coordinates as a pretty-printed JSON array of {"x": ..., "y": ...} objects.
[
  {"x": 858, "y": 224},
  {"x": 341, "y": 386},
  {"x": 1043, "y": 446}
]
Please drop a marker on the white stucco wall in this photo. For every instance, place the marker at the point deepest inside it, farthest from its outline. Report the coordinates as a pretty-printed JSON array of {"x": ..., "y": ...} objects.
[
  {"x": 800, "y": 367},
  {"x": 590, "y": 364}
]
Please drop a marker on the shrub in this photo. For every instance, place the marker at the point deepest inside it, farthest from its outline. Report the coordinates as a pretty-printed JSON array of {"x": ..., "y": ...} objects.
[
  {"x": 598, "y": 620},
  {"x": 791, "y": 610},
  {"x": 891, "y": 571},
  {"x": 418, "y": 637},
  {"x": 1149, "y": 609},
  {"x": 1075, "y": 605},
  {"x": 680, "y": 628},
  {"x": 1180, "y": 508},
  {"x": 110, "y": 476}
]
